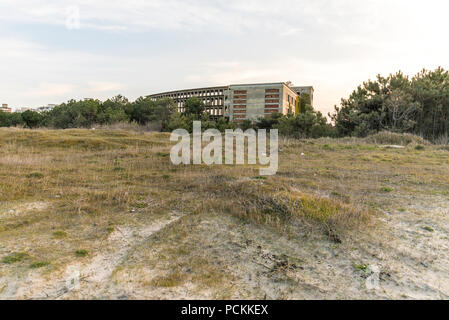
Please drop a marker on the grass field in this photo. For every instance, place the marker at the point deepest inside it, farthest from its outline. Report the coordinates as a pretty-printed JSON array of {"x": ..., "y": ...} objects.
[{"x": 110, "y": 205}]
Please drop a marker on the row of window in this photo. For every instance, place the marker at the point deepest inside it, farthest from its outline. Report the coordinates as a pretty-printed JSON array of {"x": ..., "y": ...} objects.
[
  {"x": 291, "y": 100},
  {"x": 211, "y": 111}
]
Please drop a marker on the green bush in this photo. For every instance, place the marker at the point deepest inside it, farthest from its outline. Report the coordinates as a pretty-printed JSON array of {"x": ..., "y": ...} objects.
[
  {"x": 81, "y": 253},
  {"x": 15, "y": 257}
]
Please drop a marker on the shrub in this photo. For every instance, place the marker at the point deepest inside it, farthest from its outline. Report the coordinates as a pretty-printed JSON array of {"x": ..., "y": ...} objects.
[
  {"x": 81, "y": 253},
  {"x": 39, "y": 264},
  {"x": 36, "y": 175},
  {"x": 402, "y": 139},
  {"x": 59, "y": 234},
  {"x": 15, "y": 257}
]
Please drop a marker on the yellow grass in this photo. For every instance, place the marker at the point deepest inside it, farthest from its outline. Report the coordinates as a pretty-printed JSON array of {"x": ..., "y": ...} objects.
[{"x": 62, "y": 191}]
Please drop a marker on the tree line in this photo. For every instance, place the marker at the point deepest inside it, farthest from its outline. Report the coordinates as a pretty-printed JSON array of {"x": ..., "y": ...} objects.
[
  {"x": 417, "y": 105},
  {"x": 397, "y": 103},
  {"x": 163, "y": 112}
]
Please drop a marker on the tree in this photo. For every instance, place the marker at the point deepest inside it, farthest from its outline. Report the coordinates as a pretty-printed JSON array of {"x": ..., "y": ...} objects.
[
  {"x": 145, "y": 110},
  {"x": 32, "y": 119},
  {"x": 304, "y": 103},
  {"x": 397, "y": 103},
  {"x": 246, "y": 124},
  {"x": 113, "y": 110},
  {"x": 141, "y": 110},
  {"x": 5, "y": 119},
  {"x": 164, "y": 108},
  {"x": 194, "y": 106},
  {"x": 310, "y": 124}
]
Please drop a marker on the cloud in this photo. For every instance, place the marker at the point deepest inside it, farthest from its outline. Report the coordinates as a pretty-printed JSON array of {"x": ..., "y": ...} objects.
[
  {"x": 291, "y": 32},
  {"x": 101, "y": 87},
  {"x": 143, "y": 46},
  {"x": 51, "y": 90}
]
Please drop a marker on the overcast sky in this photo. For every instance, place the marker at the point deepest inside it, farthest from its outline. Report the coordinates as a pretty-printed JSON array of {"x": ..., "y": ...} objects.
[{"x": 137, "y": 47}]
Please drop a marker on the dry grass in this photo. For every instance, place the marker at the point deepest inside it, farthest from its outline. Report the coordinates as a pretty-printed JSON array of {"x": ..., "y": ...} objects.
[
  {"x": 65, "y": 190},
  {"x": 392, "y": 138}
]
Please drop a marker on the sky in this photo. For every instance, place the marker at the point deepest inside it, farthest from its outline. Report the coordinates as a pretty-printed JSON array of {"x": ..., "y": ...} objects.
[{"x": 53, "y": 51}]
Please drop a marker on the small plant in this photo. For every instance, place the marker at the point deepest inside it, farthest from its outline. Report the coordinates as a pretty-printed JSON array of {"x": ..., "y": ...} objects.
[
  {"x": 165, "y": 177},
  {"x": 36, "y": 175},
  {"x": 15, "y": 257},
  {"x": 119, "y": 169},
  {"x": 81, "y": 253},
  {"x": 360, "y": 267},
  {"x": 141, "y": 205},
  {"x": 429, "y": 229},
  {"x": 110, "y": 229},
  {"x": 419, "y": 147},
  {"x": 162, "y": 154},
  {"x": 386, "y": 189},
  {"x": 39, "y": 264},
  {"x": 59, "y": 234},
  {"x": 260, "y": 178}
]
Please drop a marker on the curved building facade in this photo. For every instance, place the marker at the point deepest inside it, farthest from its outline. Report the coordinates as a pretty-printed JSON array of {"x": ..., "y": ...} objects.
[{"x": 242, "y": 101}]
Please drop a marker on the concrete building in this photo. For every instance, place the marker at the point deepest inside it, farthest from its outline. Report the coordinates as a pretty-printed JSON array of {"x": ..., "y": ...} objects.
[
  {"x": 305, "y": 90},
  {"x": 242, "y": 101},
  {"x": 23, "y": 109},
  {"x": 49, "y": 107},
  {"x": 5, "y": 108}
]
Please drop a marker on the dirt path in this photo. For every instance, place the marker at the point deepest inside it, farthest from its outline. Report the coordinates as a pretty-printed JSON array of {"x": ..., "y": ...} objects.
[
  {"x": 87, "y": 280},
  {"x": 403, "y": 255}
]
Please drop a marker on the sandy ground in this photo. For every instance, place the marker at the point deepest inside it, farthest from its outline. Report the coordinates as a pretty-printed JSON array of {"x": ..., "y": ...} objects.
[
  {"x": 82, "y": 280},
  {"x": 402, "y": 254}
]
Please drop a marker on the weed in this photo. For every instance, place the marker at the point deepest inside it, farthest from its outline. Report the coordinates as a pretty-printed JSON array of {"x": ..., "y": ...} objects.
[
  {"x": 360, "y": 267},
  {"x": 81, "y": 253},
  {"x": 39, "y": 264},
  {"x": 36, "y": 175},
  {"x": 141, "y": 205},
  {"x": 15, "y": 257},
  {"x": 59, "y": 234},
  {"x": 162, "y": 154}
]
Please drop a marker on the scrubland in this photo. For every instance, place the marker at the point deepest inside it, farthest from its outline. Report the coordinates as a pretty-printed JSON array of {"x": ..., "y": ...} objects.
[{"x": 109, "y": 206}]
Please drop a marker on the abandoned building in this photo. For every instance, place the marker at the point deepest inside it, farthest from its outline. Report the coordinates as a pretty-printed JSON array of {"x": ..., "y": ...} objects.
[{"x": 243, "y": 101}]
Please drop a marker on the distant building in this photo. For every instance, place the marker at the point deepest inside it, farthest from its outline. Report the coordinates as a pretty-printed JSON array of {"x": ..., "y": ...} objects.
[
  {"x": 305, "y": 90},
  {"x": 5, "y": 108},
  {"x": 242, "y": 101},
  {"x": 46, "y": 108},
  {"x": 22, "y": 109}
]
